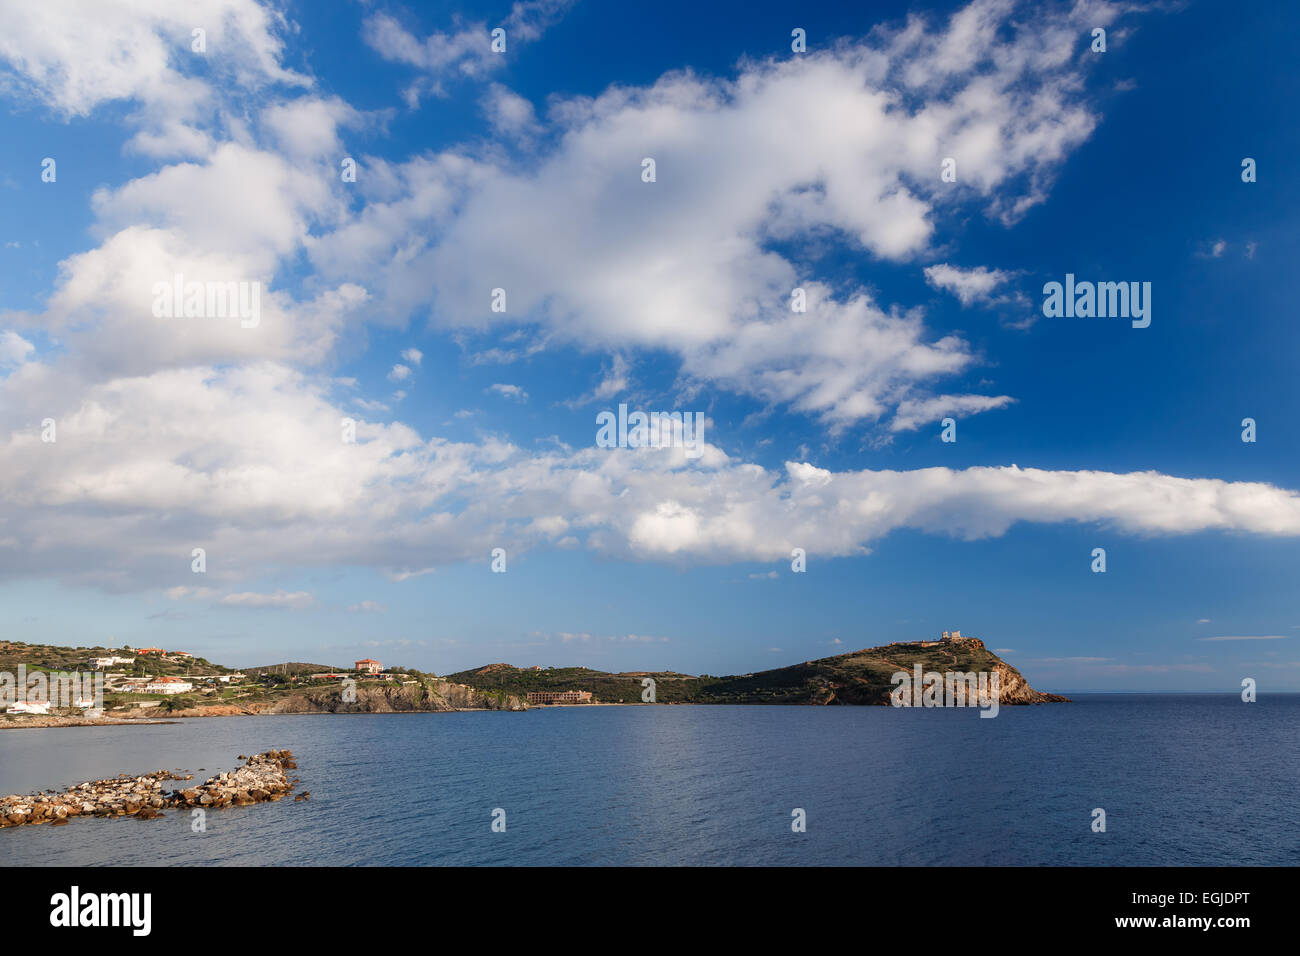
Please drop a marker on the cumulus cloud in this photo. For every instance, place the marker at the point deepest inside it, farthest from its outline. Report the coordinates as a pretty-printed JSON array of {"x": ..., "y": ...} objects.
[
  {"x": 176, "y": 434},
  {"x": 247, "y": 464},
  {"x": 77, "y": 56},
  {"x": 968, "y": 285},
  {"x": 844, "y": 143},
  {"x": 14, "y": 349},
  {"x": 308, "y": 128},
  {"x": 509, "y": 113}
]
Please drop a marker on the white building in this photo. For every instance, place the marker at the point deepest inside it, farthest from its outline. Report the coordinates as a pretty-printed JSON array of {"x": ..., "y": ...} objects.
[
  {"x": 100, "y": 663},
  {"x": 29, "y": 707},
  {"x": 168, "y": 685}
]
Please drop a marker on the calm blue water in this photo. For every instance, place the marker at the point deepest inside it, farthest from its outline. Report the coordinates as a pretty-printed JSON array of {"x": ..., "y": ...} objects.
[{"x": 1194, "y": 779}]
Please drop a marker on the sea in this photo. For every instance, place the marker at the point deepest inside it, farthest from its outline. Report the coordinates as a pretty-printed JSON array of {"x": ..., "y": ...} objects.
[{"x": 1179, "y": 780}]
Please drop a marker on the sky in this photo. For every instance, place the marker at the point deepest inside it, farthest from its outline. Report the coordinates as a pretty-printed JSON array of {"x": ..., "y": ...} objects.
[{"x": 462, "y": 259}]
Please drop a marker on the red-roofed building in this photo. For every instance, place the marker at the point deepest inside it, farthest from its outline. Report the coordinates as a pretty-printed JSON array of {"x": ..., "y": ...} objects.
[{"x": 369, "y": 666}]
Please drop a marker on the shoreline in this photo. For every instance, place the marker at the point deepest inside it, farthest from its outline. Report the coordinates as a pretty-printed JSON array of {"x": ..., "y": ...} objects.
[{"x": 45, "y": 722}]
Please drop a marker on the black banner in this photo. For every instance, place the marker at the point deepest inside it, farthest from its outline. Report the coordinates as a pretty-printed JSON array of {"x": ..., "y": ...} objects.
[{"x": 332, "y": 905}]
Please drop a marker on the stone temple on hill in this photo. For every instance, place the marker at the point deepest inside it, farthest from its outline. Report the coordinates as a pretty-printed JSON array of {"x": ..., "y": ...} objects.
[{"x": 948, "y": 637}]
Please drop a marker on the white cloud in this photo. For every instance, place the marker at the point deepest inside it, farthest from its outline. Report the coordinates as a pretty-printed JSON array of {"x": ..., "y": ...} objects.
[
  {"x": 1257, "y": 637},
  {"x": 308, "y": 128},
  {"x": 913, "y": 413},
  {"x": 14, "y": 349},
  {"x": 841, "y": 144},
  {"x": 512, "y": 392},
  {"x": 413, "y": 355},
  {"x": 179, "y": 592},
  {"x": 465, "y": 50},
  {"x": 176, "y": 434},
  {"x": 509, "y": 114},
  {"x": 614, "y": 382},
  {"x": 278, "y": 599},
  {"x": 75, "y": 56},
  {"x": 399, "y": 373},
  {"x": 247, "y": 463},
  {"x": 968, "y": 285}
]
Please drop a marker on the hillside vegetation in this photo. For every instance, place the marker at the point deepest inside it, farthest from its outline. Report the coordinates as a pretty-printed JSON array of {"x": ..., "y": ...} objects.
[
  {"x": 49, "y": 657},
  {"x": 859, "y": 677}
]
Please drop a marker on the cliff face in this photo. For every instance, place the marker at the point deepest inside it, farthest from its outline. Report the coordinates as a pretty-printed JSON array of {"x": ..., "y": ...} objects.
[
  {"x": 432, "y": 696},
  {"x": 427, "y": 697}
]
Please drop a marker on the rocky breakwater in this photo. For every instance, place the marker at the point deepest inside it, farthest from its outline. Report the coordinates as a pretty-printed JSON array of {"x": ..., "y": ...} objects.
[{"x": 262, "y": 778}]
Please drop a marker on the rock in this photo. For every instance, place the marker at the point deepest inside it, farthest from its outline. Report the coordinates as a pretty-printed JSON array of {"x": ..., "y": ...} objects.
[{"x": 261, "y": 779}]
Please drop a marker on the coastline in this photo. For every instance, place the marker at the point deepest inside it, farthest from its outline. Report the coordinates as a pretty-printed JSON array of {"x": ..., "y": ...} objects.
[{"x": 46, "y": 721}]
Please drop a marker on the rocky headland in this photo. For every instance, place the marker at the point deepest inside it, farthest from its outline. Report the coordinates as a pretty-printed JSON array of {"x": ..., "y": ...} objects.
[{"x": 861, "y": 677}]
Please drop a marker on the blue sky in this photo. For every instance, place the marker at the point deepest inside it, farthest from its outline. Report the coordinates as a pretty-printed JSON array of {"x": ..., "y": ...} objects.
[{"x": 476, "y": 429}]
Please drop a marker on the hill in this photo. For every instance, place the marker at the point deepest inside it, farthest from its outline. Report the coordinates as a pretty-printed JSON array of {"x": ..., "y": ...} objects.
[
  {"x": 291, "y": 669},
  {"x": 670, "y": 686},
  {"x": 859, "y": 677},
  {"x": 50, "y": 657}
]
